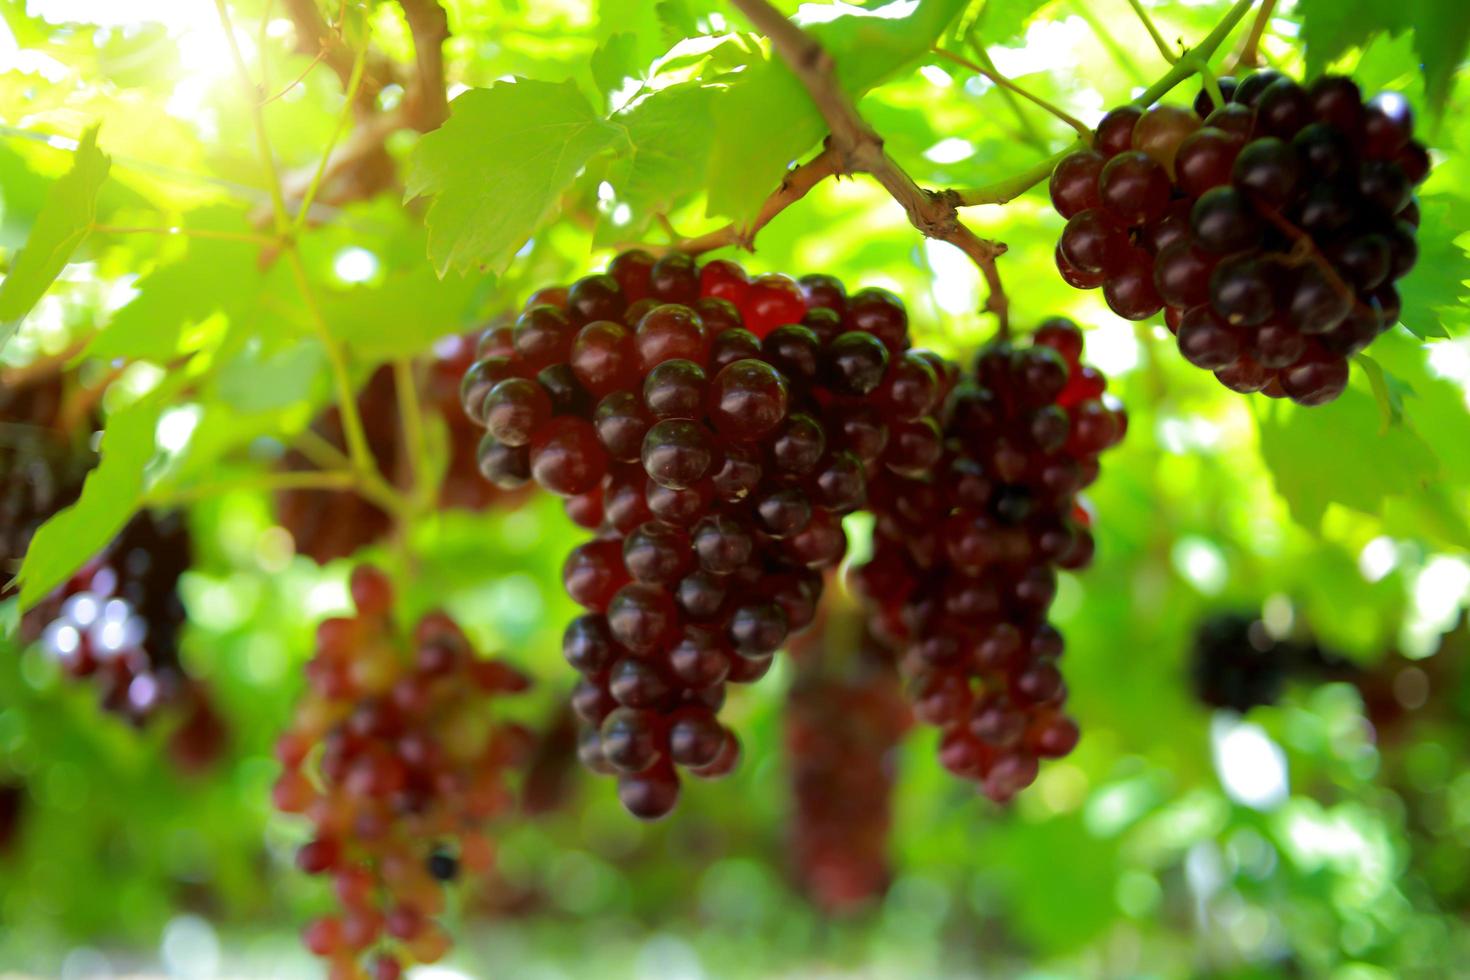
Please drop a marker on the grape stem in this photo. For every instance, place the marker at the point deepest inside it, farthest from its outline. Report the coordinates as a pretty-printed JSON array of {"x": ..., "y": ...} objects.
[
  {"x": 260, "y": 482},
  {"x": 1250, "y": 52},
  {"x": 1153, "y": 32},
  {"x": 1193, "y": 61},
  {"x": 797, "y": 184},
  {"x": 860, "y": 149},
  {"x": 264, "y": 241},
  {"x": 320, "y": 56},
  {"x": 368, "y": 477},
  {"x": 988, "y": 71}
]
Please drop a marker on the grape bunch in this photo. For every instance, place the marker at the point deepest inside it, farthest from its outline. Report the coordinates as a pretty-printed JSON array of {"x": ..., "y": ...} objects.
[
  {"x": 332, "y": 524},
  {"x": 396, "y": 758},
  {"x": 118, "y": 620},
  {"x": 964, "y": 556},
  {"x": 844, "y": 721},
  {"x": 712, "y": 429},
  {"x": 1273, "y": 228},
  {"x": 41, "y": 467},
  {"x": 1237, "y": 663}
]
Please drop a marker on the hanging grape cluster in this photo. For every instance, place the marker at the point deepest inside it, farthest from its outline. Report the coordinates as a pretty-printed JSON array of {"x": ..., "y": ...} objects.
[
  {"x": 964, "y": 556},
  {"x": 117, "y": 621},
  {"x": 845, "y": 715},
  {"x": 1273, "y": 228},
  {"x": 397, "y": 759},
  {"x": 42, "y": 467},
  {"x": 713, "y": 429},
  {"x": 332, "y": 524}
]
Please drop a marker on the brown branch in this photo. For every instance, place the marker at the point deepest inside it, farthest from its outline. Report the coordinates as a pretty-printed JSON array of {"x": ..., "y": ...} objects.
[
  {"x": 427, "y": 95},
  {"x": 797, "y": 184},
  {"x": 860, "y": 149},
  {"x": 1250, "y": 51},
  {"x": 316, "y": 37}
]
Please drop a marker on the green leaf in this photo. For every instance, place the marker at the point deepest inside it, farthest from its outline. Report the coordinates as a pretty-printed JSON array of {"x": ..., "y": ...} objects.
[
  {"x": 1339, "y": 454},
  {"x": 1436, "y": 297},
  {"x": 497, "y": 167},
  {"x": 615, "y": 60},
  {"x": 1331, "y": 27},
  {"x": 213, "y": 276},
  {"x": 749, "y": 154},
  {"x": 1441, "y": 33},
  {"x": 402, "y": 317},
  {"x": 64, "y": 222},
  {"x": 1388, "y": 391},
  {"x": 112, "y": 494},
  {"x": 669, "y": 132},
  {"x": 1003, "y": 20}
]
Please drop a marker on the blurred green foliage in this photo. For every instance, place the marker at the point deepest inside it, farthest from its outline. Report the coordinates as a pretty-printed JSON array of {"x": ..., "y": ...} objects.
[{"x": 1176, "y": 841}]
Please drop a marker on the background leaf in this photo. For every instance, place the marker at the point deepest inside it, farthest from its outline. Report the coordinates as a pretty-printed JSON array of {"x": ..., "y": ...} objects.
[{"x": 62, "y": 225}]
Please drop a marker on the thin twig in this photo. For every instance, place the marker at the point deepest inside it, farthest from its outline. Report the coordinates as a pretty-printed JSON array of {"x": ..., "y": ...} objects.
[
  {"x": 259, "y": 482},
  {"x": 1153, "y": 32},
  {"x": 304, "y": 211},
  {"x": 1003, "y": 191},
  {"x": 411, "y": 416},
  {"x": 860, "y": 149},
  {"x": 265, "y": 241},
  {"x": 346, "y": 399},
  {"x": 1250, "y": 52},
  {"x": 1190, "y": 63},
  {"x": 1010, "y": 86},
  {"x": 796, "y": 185},
  {"x": 320, "y": 55},
  {"x": 1029, "y": 129}
]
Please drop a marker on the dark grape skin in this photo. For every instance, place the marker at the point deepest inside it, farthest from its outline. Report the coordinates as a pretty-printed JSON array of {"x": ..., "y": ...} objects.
[
  {"x": 1182, "y": 275},
  {"x": 1284, "y": 108},
  {"x": 677, "y": 453},
  {"x": 1251, "y": 88},
  {"x": 1073, "y": 276},
  {"x": 514, "y": 409},
  {"x": 566, "y": 456},
  {"x": 1338, "y": 102},
  {"x": 1114, "y": 133},
  {"x": 748, "y": 399},
  {"x": 1206, "y": 159},
  {"x": 1223, "y": 221},
  {"x": 1316, "y": 379},
  {"x": 1073, "y": 184},
  {"x": 675, "y": 389},
  {"x": 1206, "y": 341},
  {"x": 854, "y": 364},
  {"x": 1267, "y": 171},
  {"x": 1130, "y": 292},
  {"x": 1241, "y": 291},
  {"x": 1134, "y": 188},
  {"x": 622, "y": 422},
  {"x": 1093, "y": 243}
]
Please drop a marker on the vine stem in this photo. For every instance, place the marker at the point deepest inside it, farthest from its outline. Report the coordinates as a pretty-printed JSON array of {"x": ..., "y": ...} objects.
[
  {"x": 264, "y": 241},
  {"x": 1153, "y": 32},
  {"x": 1005, "y": 83},
  {"x": 860, "y": 149},
  {"x": 411, "y": 416},
  {"x": 262, "y": 482},
  {"x": 359, "y": 63},
  {"x": 1250, "y": 52},
  {"x": 1190, "y": 63},
  {"x": 797, "y": 184},
  {"x": 362, "y": 458},
  {"x": 1012, "y": 187},
  {"x": 1029, "y": 130}
]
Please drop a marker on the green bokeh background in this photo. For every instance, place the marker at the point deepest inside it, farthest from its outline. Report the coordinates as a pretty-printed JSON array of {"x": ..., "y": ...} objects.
[{"x": 1135, "y": 856}]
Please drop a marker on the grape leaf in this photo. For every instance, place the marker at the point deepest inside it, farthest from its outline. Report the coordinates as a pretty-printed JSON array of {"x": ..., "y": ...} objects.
[
  {"x": 614, "y": 60},
  {"x": 1336, "y": 454},
  {"x": 64, "y": 222},
  {"x": 1441, "y": 33},
  {"x": 1001, "y": 21},
  {"x": 496, "y": 168},
  {"x": 112, "y": 494},
  {"x": 669, "y": 132},
  {"x": 748, "y": 154},
  {"x": 402, "y": 317},
  {"x": 1436, "y": 299},
  {"x": 1388, "y": 391},
  {"x": 1331, "y": 27},
  {"x": 212, "y": 276}
]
